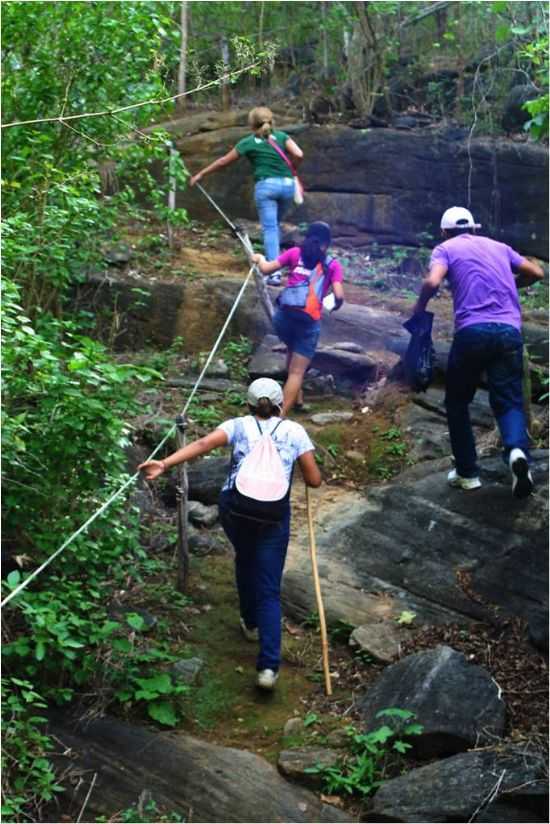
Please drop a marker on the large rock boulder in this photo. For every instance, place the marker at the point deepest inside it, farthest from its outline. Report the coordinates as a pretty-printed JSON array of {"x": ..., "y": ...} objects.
[
  {"x": 505, "y": 785},
  {"x": 163, "y": 310},
  {"x": 457, "y": 703},
  {"x": 206, "y": 478},
  {"x": 408, "y": 540},
  {"x": 366, "y": 182},
  {"x": 201, "y": 781},
  {"x": 349, "y": 367}
]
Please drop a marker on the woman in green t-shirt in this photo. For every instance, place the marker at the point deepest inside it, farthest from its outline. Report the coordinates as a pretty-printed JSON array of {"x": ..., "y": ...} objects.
[{"x": 274, "y": 187}]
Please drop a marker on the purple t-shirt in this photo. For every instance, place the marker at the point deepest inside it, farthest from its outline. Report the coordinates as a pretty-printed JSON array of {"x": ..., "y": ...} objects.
[
  {"x": 479, "y": 271},
  {"x": 291, "y": 260}
]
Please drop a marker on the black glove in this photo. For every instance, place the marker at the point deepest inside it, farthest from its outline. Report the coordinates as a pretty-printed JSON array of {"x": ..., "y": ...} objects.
[{"x": 337, "y": 303}]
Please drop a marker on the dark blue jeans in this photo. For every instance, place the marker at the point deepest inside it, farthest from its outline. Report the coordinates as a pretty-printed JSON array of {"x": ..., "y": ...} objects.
[
  {"x": 260, "y": 553},
  {"x": 496, "y": 348}
]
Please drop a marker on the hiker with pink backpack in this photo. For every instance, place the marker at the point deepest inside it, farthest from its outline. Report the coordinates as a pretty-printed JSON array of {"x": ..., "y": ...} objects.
[
  {"x": 255, "y": 508},
  {"x": 314, "y": 284},
  {"x": 274, "y": 156}
]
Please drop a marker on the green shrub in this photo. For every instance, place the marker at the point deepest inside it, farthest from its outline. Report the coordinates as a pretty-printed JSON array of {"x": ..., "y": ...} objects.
[{"x": 371, "y": 755}]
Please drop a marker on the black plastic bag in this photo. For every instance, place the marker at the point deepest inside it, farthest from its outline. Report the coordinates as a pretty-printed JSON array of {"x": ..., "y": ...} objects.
[{"x": 419, "y": 359}]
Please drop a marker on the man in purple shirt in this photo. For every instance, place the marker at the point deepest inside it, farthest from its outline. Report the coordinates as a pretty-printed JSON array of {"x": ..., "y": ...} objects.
[{"x": 484, "y": 277}]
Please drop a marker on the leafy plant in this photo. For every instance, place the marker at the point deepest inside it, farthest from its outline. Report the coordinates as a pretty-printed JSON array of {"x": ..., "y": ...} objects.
[
  {"x": 371, "y": 754},
  {"x": 341, "y": 632},
  {"x": 406, "y": 617},
  {"x": 310, "y": 719},
  {"x": 28, "y": 777},
  {"x": 146, "y": 813},
  {"x": 236, "y": 353}
]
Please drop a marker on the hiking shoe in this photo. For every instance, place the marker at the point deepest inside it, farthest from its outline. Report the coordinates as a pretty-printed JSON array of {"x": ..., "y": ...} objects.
[
  {"x": 274, "y": 279},
  {"x": 266, "y": 679},
  {"x": 250, "y": 634},
  {"x": 522, "y": 480},
  {"x": 458, "y": 482}
]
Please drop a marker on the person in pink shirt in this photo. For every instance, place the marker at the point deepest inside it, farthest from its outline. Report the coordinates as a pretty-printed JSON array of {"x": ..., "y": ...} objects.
[{"x": 312, "y": 276}]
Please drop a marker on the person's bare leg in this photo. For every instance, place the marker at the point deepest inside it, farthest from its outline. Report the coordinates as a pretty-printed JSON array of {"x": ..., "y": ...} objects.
[
  {"x": 300, "y": 399},
  {"x": 297, "y": 368}
]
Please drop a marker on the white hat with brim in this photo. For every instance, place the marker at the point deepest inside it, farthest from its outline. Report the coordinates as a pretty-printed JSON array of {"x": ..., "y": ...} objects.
[
  {"x": 265, "y": 388},
  {"x": 458, "y": 218}
]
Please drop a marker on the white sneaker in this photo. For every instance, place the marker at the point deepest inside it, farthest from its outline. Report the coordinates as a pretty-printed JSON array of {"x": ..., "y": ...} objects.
[
  {"x": 249, "y": 634},
  {"x": 266, "y": 679},
  {"x": 522, "y": 480},
  {"x": 456, "y": 480}
]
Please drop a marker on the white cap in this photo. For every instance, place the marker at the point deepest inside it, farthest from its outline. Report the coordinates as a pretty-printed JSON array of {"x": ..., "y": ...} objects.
[
  {"x": 458, "y": 218},
  {"x": 265, "y": 388}
]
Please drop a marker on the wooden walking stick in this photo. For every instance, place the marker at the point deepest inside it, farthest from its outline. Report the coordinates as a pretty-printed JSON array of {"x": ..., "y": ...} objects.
[{"x": 320, "y": 608}]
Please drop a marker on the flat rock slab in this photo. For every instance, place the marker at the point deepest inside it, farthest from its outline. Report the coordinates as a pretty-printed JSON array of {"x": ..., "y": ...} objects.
[
  {"x": 402, "y": 546},
  {"x": 456, "y": 702},
  {"x": 201, "y": 781},
  {"x": 453, "y": 789},
  {"x": 380, "y": 640},
  {"x": 324, "y": 418},
  {"x": 294, "y": 763}
]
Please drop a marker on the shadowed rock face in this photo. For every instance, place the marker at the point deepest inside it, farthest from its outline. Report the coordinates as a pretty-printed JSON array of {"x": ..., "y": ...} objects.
[
  {"x": 453, "y": 789},
  {"x": 390, "y": 186},
  {"x": 201, "y": 781},
  {"x": 457, "y": 703},
  {"x": 408, "y": 539}
]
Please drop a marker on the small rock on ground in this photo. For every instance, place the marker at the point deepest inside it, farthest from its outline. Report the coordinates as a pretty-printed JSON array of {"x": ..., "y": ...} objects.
[
  {"x": 294, "y": 763},
  {"x": 381, "y": 641},
  {"x": 324, "y": 418},
  {"x": 202, "y": 515},
  {"x": 187, "y": 669},
  {"x": 294, "y": 726}
]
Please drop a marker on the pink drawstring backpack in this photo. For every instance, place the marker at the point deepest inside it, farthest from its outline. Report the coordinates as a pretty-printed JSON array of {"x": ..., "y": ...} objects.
[{"x": 261, "y": 488}]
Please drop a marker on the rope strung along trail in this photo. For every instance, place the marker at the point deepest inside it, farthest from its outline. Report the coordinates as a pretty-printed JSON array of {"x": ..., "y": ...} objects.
[
  {"x": 134, "y": 477},
  {"x": 152, "y": 102},
  {"x": 245, "y": 240}
]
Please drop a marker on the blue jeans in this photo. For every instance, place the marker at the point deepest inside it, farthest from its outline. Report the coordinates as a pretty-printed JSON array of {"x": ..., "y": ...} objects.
[
  {"x": 260, "y": 553},
  {"x": 496, "y": 348},
  {"x": 272, "y": 196}
]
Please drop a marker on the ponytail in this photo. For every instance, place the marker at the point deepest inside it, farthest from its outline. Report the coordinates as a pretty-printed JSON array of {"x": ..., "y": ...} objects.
[
  {"x": 260, "y": 121},
  {"x": 264, "y": 130},
  {"x": 265, "y": 409},
  {"x": 312, "y": 253}
]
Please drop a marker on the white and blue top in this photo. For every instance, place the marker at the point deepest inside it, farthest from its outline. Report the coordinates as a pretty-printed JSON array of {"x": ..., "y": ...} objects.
[{"x": 290, "y": 439}]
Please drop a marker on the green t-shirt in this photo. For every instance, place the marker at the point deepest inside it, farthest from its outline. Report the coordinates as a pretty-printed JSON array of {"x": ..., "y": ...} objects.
[{"x": 263, "y": 157}]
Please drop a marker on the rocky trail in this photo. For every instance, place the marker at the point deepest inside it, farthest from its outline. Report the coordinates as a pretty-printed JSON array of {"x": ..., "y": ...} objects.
[{"x": 427, "y": 591}]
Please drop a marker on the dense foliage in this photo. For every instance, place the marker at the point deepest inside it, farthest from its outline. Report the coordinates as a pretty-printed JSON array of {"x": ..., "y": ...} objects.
[{"x": 67, "y": 187}]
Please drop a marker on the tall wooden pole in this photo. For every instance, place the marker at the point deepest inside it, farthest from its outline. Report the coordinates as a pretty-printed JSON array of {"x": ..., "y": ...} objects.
[{"x": 317, "y": 585}]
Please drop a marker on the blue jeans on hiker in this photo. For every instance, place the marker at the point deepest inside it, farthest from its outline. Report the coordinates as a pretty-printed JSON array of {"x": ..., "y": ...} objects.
[
  {"x": 497, "y": 349},
  {"x": 260, "y": 553},
  {"x": 272, "y": 196}
]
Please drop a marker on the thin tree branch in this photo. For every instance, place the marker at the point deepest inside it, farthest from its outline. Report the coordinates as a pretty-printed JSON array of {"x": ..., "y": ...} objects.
[{"x": 152, "y": 102}]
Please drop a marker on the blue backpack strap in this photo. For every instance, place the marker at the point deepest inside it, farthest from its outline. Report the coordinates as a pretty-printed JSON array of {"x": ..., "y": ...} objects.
[
  {"x": 258, "y": 424},
  {"x": 277, "y": 425}
]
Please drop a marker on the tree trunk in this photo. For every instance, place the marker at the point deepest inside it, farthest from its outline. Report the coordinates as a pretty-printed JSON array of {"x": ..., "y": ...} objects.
[
  {"x": 325, "y": 38},
  {"x": 182, "y": 69},
  {"x": 226, "y": 103},
  {"x": 366, "y": 65}
]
